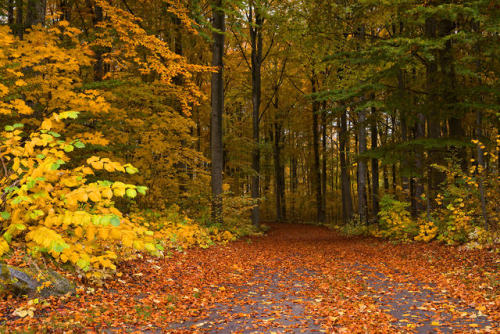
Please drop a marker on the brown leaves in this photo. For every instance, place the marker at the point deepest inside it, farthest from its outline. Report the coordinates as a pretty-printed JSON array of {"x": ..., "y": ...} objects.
[{"x": 293, "y": 278}]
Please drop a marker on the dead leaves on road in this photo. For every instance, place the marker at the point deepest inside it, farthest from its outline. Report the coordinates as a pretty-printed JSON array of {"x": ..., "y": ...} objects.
[{"x": 333, "y": 280}]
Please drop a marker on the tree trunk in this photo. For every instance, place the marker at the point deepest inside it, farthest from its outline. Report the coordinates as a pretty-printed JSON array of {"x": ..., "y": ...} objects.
[
  {"x": 419, "y": 165},
  {"x": 362, "y": 166},
  {"x": 35, "y": 13},
  {"x": 217, "y": 91},
  {"x": 256, "y": 45},
  {"x": 481, "y": 166},
  {"x": 279, "y": 186},
  {"x": 434, "y": 29},
  {"x": 293, "y": 184},
  {"x": 344, "y": 170},
  {"x": 99, "y": 70},
  {"x": 19, "y": 19},
  {"x": 323, "y": 162},
  {"x": 10, "y": 14},
  {"x": 316, "y": 174},
  {"x": 375, "y": 170}
]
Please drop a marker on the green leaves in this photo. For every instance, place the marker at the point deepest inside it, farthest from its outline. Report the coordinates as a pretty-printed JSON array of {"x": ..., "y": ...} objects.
[
  {"x": 132, "y": 193},
  {"x": 59, "y": 246},
  {"x": 69, "y": 148},
  {"x": 131, "y": 169},
  {"x": 142, "y": 190},
  {"x": 13, "y": 127},
  {"x": 83, "y": 264},
  {"x": 79, "y": 144},
  {"x": 69, "y": 114},
  {"x": 115, "y": 221}
]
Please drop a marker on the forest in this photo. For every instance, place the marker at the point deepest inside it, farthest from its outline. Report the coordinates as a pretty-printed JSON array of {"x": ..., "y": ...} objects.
[{"x": 249, "y": 166}]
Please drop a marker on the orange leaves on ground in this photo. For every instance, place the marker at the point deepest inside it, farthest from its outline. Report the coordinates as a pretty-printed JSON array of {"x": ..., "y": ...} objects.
[{"x": 315, "y": 268}]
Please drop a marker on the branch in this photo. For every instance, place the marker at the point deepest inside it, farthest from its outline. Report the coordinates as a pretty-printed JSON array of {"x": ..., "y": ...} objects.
[
  {"x": 241, "y": 48},
  {"x": 269, "y": 49},
  {"x": 419, "y": 57},
  {"x": 276, "y": 89}
]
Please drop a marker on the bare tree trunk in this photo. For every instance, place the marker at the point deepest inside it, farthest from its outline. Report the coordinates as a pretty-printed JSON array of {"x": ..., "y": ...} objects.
[
  {"x": 323, "y": 162},
  {"x": 99, "y": 70},
  {"x": 35, "y": 13},
  {"x": 481, "y": 165},
  {"x": 316, "y": 174},
  {"x": 277, "y": 171},
  {"x": 344, "y": 170},
  {"x": 217, "y": 110},
  {"x": 385, "y": 171},
  {"x": 362, "y": 166},
  {"x": 10, "y": 14},
  {"x": 375, "y": 170},
  {"x": 256, "y": 44},
  {"x": 19, "y": 19},
  {"x": 394, "y": 171},
  {"x": 293, "y": 184}
]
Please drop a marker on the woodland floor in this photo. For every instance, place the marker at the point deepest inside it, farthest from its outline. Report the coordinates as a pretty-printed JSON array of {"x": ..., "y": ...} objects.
[{"x": 296, "y": 279}]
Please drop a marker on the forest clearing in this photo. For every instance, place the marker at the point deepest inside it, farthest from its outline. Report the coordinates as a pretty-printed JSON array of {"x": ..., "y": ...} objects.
[{"x": 249, "y": 166}]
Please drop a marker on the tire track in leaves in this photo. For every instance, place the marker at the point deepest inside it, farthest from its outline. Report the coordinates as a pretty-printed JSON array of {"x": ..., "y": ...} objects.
[{"x": 271, "y": 302}]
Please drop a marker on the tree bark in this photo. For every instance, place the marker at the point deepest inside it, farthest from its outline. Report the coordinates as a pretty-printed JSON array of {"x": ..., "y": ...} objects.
[
  {"x": 316, "y": 174},
  {"x": 375, "y": 165},
  {"x": 324, "y": 178},
  {"x": 35, "y": 13},
  {"x": 279, "y": 177},
  {"x": 99, "y": 70},
  {"x": 19, "y": 19},
  {"x": 363, "y": 218},
  {"x": 256, "y": 45},
  {"x": 217, "y": 92},
  {"x": 419, "y": 165},
  {"x": 293, "y": 184},
  {"x": 10, "y": 14},
  {"x": 344, "y": 171}
]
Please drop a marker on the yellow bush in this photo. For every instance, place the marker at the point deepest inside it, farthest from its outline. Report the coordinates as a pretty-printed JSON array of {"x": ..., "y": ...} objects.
[{"x": 49, "y": 206}]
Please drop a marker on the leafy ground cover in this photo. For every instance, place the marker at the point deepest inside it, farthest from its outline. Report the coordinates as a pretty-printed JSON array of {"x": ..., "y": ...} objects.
[{"x": 298, "y": 278}]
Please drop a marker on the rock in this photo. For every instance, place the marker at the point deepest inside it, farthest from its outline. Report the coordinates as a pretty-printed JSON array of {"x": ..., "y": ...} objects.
[{"x": 24, "y": 281}]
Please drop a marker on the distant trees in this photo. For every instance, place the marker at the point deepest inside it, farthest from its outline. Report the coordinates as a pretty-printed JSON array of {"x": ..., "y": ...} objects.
[{"x": 327, "y": 106}]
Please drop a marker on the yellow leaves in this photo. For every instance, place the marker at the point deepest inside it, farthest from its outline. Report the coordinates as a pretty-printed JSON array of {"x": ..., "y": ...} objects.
[
  {"x": 107, "y": 193},
  {"x": 115, "y": 234},
  {"x": 70, "y": 181},
  {"x": 103, "y": 233},
  {"x": 4, "y": 246},
  {"x": 44, "y": 236},
  {"x": 46, "y": 124},
  {"x": 95, "y": 163},
  {"x": 90, "y": 233},
  {"x": 77, "y": 195},
  {"x": 119, "y": 189},
  {"x": 21, "y": 107},
  {"x": 61, "y": 213},
  {"x": 127, "y": 240},
  {"x": 20, "y": 83},
  {"x": 428, "y": 231},
  {"x": 94, "y": 195},
  {"x": 79, "y": 232},
  {"x": 4, "y": 90}
]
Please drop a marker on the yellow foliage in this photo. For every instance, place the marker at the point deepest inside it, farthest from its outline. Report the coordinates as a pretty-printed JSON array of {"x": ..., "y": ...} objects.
[
  {"x": 427, "y": 232},
  {"x": 50, "y": 207}
]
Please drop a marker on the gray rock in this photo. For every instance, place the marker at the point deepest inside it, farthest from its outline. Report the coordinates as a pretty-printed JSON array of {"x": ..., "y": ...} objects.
[{"x": 24, "y": 281}]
